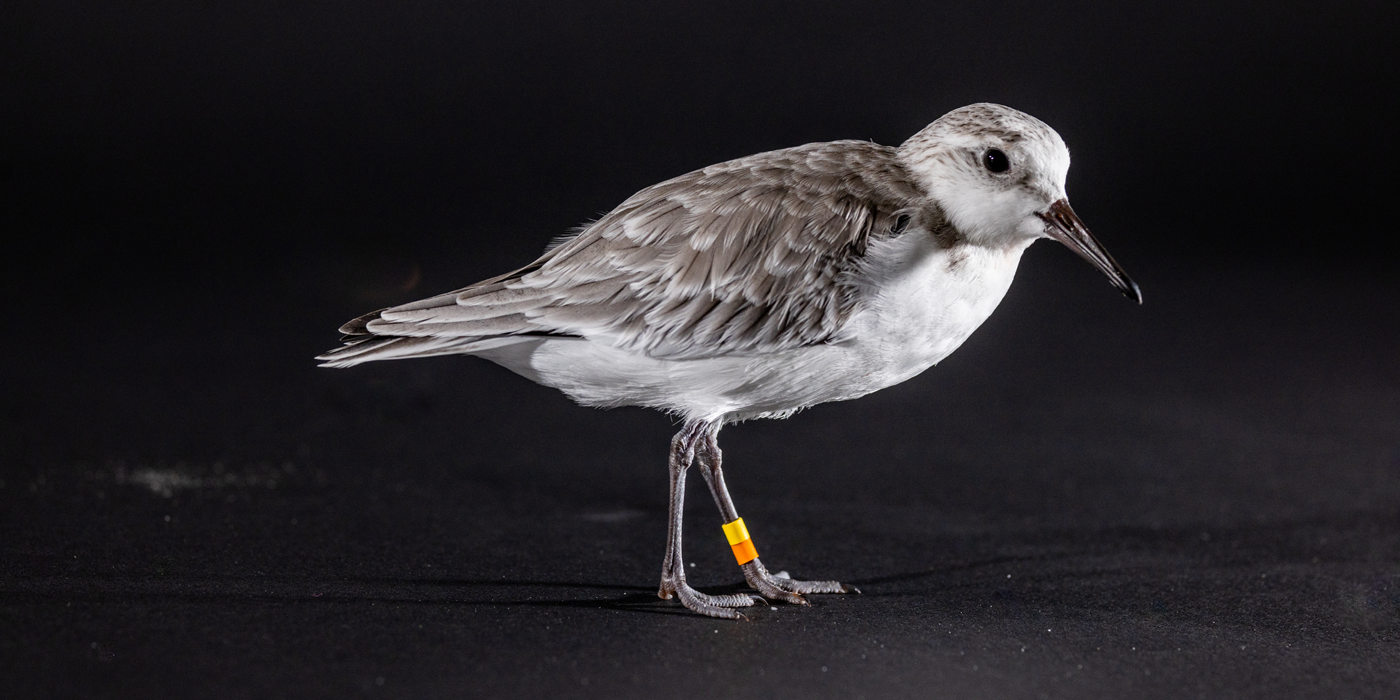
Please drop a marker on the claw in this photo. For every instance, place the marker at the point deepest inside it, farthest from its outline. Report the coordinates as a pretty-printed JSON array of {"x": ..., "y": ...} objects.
[
  {"x": 715, "y": 606},
  {"x": 711, "y": 605},
  {"x": 781, "y": 586},
  {"x": 767, "y": 590}
]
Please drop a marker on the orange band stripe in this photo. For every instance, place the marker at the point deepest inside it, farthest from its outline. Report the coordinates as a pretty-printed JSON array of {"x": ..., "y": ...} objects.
[
  {"x": 744, "y": 552},
  {"x": 740, "y": 542}
]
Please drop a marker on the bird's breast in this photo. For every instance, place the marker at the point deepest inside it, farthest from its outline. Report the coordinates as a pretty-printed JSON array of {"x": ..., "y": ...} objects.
[{"x": 924, "y": 300}]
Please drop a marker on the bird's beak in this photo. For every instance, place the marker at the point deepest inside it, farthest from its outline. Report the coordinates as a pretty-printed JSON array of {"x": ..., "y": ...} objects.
[{"x": 1064, "y": 226}]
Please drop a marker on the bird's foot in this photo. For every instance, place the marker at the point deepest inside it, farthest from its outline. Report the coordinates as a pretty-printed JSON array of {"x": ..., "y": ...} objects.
[
  {"x": 712, "y": 605},
  {"x": 780, "y": 586}
]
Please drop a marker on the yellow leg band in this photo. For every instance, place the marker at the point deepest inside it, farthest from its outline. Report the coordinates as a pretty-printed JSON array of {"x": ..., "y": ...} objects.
[
  {"x": 736, "y": 532},
  {"x": 739, "y": 541}
]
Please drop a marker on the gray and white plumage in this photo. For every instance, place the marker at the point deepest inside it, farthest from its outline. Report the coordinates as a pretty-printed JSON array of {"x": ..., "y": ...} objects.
[
  {"x": 695, "y": 295},
  {"x": 748, "y": 256},
  {"x": 759, "y": 286}
]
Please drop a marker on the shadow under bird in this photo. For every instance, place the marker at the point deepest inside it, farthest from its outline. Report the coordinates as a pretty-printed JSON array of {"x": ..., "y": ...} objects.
[{"x": 760, "y": 286}]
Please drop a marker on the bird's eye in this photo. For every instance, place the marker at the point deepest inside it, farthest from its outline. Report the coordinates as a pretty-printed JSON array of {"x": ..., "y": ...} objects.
[
  {"x": 996, "y": 161},
  {"x": 901, "y": 222}
]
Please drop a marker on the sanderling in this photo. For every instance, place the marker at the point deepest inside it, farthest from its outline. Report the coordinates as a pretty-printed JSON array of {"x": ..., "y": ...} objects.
[{"x": 763, "y": 285}]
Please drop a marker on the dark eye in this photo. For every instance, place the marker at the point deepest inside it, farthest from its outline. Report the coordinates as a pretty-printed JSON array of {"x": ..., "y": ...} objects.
[
  {"x": 901, "y": 222},
  {"x": 996, "y": 161}
]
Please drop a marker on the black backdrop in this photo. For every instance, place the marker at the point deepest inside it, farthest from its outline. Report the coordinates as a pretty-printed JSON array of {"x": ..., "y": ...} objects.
[
  {"x": 231, "y": 138},
  {"x": 196, "y": 194}
]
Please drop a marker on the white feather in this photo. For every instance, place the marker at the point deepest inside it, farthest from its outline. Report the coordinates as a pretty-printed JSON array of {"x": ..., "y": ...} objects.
[{"x": 761, "y": 286}]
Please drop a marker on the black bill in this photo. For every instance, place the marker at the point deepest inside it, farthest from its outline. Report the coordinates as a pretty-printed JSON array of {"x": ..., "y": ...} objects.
[{"x": 1064, "y": 226}]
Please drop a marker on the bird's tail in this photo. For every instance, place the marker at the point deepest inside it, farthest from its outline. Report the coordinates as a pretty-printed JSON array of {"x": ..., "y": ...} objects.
[{"x": 372, "y": 348}]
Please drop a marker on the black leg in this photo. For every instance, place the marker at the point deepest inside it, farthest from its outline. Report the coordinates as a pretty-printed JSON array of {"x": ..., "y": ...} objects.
[
  {"x": 673, "y": 569},
  {"x": 776, "y": 587}
]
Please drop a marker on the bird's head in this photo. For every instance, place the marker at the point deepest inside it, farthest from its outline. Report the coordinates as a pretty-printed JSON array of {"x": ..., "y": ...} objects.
[{"x": 999, "y": 176}]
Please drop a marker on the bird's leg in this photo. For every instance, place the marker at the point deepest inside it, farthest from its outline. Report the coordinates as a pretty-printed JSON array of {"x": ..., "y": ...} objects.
[
  {"x": 673, "y": 569},
  {"x": 778, "y": 587}
]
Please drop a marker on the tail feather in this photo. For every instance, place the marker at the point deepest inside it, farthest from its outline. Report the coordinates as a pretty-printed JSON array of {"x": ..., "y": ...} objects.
[
  {"x": 376, "y": 348},
  {"x": 358, "y": 325},
  {"x": 440, "y": 325}
]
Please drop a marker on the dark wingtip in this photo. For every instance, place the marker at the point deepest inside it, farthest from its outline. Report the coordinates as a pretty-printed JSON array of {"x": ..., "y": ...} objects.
[{"x": 357, "y": 326}]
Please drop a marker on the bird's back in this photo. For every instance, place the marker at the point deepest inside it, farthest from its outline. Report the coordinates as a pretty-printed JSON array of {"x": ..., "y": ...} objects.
[{"x": 746, "y": 257}]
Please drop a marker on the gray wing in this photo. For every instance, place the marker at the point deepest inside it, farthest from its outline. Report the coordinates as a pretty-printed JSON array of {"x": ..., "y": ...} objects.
[{"x": 744, "y": 257}]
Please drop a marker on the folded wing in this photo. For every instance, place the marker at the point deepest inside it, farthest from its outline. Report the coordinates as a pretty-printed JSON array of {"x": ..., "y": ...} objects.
[{"x": 744, "y": 257}]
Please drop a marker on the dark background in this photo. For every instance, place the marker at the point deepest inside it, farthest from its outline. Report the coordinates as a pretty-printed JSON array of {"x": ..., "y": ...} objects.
[{"x": 1199, "y": 497}]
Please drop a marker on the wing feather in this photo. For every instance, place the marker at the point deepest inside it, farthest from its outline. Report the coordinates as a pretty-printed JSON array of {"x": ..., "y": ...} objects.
[{"x": 745, "y": 257}]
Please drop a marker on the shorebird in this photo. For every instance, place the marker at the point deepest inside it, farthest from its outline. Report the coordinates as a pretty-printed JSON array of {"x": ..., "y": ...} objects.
[{"x": 760, "y": 286}]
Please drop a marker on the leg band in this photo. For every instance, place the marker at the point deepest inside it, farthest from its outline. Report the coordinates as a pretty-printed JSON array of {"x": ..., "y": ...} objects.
[{"x": 739, "y": 541}]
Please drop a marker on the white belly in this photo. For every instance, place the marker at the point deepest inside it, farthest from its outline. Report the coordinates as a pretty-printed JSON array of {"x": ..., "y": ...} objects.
[{"x": 919, "y": 303}]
